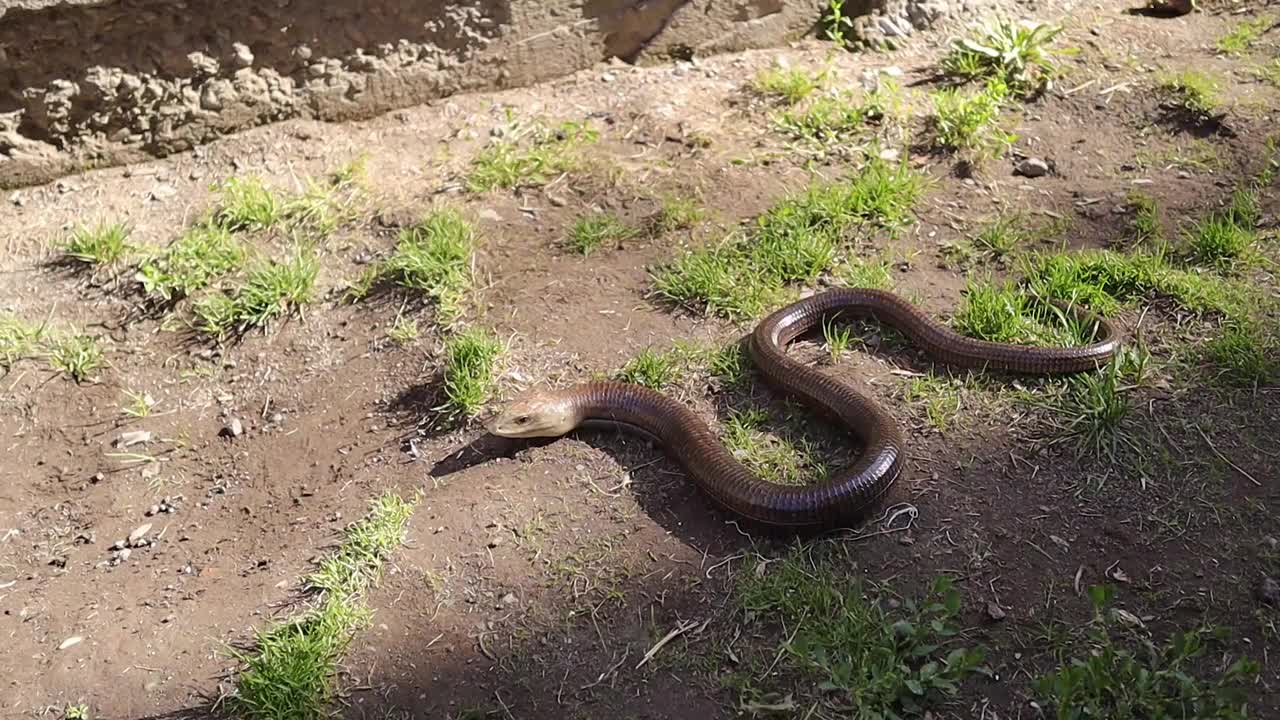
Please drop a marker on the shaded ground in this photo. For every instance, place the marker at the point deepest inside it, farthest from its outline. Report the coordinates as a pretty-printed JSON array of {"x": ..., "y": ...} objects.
[{"x": 536, "y": 577}]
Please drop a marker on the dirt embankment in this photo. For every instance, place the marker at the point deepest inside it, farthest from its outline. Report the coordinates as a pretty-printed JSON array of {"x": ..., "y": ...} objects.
[{"x": 87, "y": 83}]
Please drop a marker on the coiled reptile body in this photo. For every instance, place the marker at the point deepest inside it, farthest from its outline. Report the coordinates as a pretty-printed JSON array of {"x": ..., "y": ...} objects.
[{"x": 845, "y": 497}]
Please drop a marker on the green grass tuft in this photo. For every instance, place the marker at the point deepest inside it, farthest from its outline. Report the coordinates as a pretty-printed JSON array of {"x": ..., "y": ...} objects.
[
  {"x": 202, "y": 255},
  {"x": 77, "y": 355},
  {"x": 830, "y": 120},
  {"x": 508, "y": 163},
  {"x": 651, "y": 369},
  {"x": 289, "y": 674},
  {"x": 470, "y": 358},
  {"x": 591, "y": 232},
  {"x": 777, "y": 459},
  {"x": 403, "y": 331},
  {"x": 18, "y": 339},
  {"x": 968, "y": 121},
  {"x": 272, "y": 289},
  {"x": 1146, "y": 219},
  {"x": 1241, "y": 39},
  {"x": 435, "y": 258},
  {"x": 789, "y": 85},
  {"x": 1243, "y": 354},
  {"x": 1195, "y": 92},
  {"x": 1219, "y": 242},
  {"x": 104, "y": 244},
  {"x": 1003, "y": 313},
  {"x": 679, "y": 213},
  {"x": 858, "y": 658},
  {"x": 795, "y": 241},
  {"x": 247, "y": 204}
]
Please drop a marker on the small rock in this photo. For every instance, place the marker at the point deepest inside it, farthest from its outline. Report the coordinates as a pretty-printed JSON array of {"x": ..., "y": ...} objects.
[
  {"x": 277, "y": 418},
  {"x": 490, "y": 214},
  {"x": 119, "y": 544},
  {"x": 496, "y": 540},
  {"x": 123, "y": 555},
  {"x": 160, "y": 193},
  {"x": 69, "y": 642},
  {"x": 1032, "y": 168},
  {"x": 608, "y": 77},
  {"x": 995, "y": 612},
  {"x": 153, "y": 510},
  {"x": 139, "y": 533},
  {"x": 509, "y": 599},
  {"x": 890, "y": 154},
  {"x": 234, "y": 429},
  {"x": 133, "y": 437},
  {"x": 243, "y": 55},
  {"x": 97, "y": 478},
  {"x": 17, "y": 199},
  {"x": 1269, "y": 591}
]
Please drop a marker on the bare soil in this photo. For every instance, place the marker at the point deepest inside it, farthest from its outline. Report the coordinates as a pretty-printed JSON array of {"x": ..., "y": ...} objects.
[{"x": 537, "y": 575}]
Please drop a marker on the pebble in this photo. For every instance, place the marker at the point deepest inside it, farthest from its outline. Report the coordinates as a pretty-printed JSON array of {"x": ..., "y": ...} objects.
[
  {"x": 153, "y": 510},
  {"x": 1269, "y": 591},
  {"x": 1032, "y": 168},
  {"x": 234, "y": 429},
  {"x": 995, "y": 612},
  {"x": 133, "y": 437},
  {"x": 277, "y": 418},
  {"x": 243, "y": 55},
  {"x": 123, "y": 555}
]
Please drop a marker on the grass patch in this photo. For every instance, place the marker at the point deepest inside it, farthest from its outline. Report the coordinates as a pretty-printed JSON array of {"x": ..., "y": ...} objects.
[
  {"x": 271, "y": 290},
  {"x": 967, "y": 121},
  {"x": 289, "y": 675},
  {"x": 103, "y": 244},
  {"x": 1242, "y": 354},
  {"x": 787, "y": 85},
  {"x": 1241, "y": 39},
  {"x": 1122, "y": 673},
  {"x": 776, "y": 459},
  {"x": 592, "y": 232},
  {"x": 1016, "y": 54},
  {"x": 247, "y": 204},
  {"x": 77, "y": 355},
  {"x": 1146, "y": 219},
  {"x": 403, "y": 331},
  {"x": 1192, "y": 91},
  {"x": 203, "y": 254},
  {"x": 1269, "y": 72},
  {"x": 827, "y": 120},
  {"x": 938, "y": 396},
  {"x": 651, "y": 369},
  {"x": 679, "y": 213},
  {"x": 797, "y": 240},
  {"x": 862, "y": 273},
  {"x": 849, "y": 653},
  {"x": 18, "y": 340},
  {"x": 528, "y": 157},
  {"x": 433, "y": 257},
  {"x": 1092, "y": 409},
  {"x": 1006, "y": 314},
  {"x": 996, "y": 242},
  {"x": 470, "y": 358}
]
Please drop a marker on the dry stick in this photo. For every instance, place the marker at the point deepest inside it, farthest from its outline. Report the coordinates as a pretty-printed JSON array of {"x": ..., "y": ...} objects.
[
  {"x": 682, "y": 628},
  {"x": 1224, "y": 458}
]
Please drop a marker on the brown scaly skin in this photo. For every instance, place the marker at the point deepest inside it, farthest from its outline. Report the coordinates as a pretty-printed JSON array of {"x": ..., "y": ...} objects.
[{"x": 842, "y": 500}]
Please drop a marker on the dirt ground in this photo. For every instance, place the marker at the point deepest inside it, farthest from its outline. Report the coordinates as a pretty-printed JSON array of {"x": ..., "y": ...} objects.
[{"x": 536, "y": 576}]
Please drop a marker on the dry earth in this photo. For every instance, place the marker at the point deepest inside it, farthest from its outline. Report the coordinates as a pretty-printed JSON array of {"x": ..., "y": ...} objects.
[{"x": 535, "y": 577}]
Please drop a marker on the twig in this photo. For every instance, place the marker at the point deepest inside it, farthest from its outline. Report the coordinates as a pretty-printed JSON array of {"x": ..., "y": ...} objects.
[
  {"x": 612, "y": 669},
  {"x": 682, "y": 628},
  {"x": 1224, "y": 458}
]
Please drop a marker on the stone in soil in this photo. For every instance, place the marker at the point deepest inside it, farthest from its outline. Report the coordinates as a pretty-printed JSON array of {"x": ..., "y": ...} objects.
[
  {"x": 1032, "y": 168},
  {"x": 1269, "y": 591}
]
